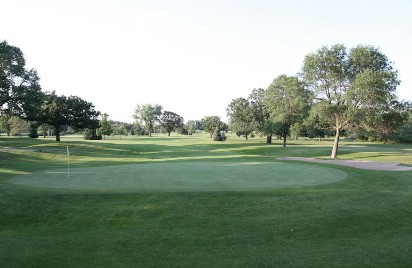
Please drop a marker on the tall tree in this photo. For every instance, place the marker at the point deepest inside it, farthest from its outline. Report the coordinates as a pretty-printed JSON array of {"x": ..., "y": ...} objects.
[
  {"x": 149, "y": 114},
  {"x": 171, "y": 121},
  {"x": 105, "y": 126},
  {"x": 287, "y": 101},
  {"x": 60, "y": 111},
  {"x": 210, "y": 123},
  {"x": 352, "y": 85},
  {"x": 240, "y": 112},
  {"x": 261, "y": 113},
  {"x": 20, "y": 91}
]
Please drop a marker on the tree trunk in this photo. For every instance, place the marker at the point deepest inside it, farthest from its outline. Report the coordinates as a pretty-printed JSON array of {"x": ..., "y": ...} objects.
[
  {"x": 336, "y": 142},
  {"x": 284, "y": 140},
  {"x": 269, "y": 138},
  {"x": 57, "y": 135}
]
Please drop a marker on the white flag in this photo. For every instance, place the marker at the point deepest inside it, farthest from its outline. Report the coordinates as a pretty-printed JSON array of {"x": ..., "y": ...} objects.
[{"x": 68, "y": 152}]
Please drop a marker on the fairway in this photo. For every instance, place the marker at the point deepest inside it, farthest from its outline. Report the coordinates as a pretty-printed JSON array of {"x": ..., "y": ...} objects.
[
  {"x": 184, "y": 176},
  {"x": 186, "y": 201}
]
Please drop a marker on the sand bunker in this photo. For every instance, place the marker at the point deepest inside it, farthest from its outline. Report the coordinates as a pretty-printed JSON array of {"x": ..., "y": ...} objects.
[{"x": 370, "y": 165}]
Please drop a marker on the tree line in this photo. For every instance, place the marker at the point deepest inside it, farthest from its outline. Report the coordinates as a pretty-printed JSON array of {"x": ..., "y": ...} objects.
[
  {"x": 338, "y": 92},
  {"x": 150, "y": 118},
  {"x": 24, "y": 107}
]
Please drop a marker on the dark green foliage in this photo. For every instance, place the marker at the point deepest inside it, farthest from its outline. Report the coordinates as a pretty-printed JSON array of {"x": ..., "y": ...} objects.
[
  {"x": 242, "y": 116},
  {"x": 33, "y": 130},
  {"x": 91, "y": 134},
  {"x": 210, "y": 123},
  {"x": 105, "y": 128},
  {"x": 20, "y": 91},
  {"x": 171, "y": 121},
  {"x": 219, "y": 135},
  {"x": 139, "y": 130},
  {"x": 288, "y": 102},
  {"x": 61, "y": 111},
  {"x": 353, "y": 86}
]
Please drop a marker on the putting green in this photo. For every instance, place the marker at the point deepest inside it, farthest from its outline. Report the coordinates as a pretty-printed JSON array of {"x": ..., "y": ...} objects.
[{"x": 184, "y": 176}]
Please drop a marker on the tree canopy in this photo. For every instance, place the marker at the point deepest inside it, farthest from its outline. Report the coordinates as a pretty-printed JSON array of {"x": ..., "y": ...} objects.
[
  {"x": 353, "y": 85},
  {"x": 105, "y": 126},
  {"x": 287, "y": 101},
  {"x": 58, "y": 111},
  {"x": 242, "y": 117},
  {"x": 149, "y": 114},
  {"x": 210, "y": 123},
  {"x": 20, "y": 91},
  {"x": 171, "y": 121}
]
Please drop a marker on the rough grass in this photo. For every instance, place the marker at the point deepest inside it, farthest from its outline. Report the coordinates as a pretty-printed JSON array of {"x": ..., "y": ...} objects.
[{"x": 364, "y": 220}]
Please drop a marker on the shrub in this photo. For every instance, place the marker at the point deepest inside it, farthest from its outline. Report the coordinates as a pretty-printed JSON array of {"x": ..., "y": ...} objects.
[
  {"x": 218, "y": 135},
  {"x": 90, "y": 134}
]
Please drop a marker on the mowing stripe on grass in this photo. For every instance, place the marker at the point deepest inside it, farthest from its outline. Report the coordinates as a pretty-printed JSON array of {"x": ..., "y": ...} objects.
[{"x": 185, "y": 176}]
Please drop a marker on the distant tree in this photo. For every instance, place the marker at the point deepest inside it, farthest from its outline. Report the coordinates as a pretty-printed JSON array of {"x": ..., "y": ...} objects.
[
  {"x": 120, "y": 129},
  {"x": 33, "y": 130},
  {"x": 287, "y": 101},
  {"x": 44, "y": 128},
  {"x": 297, "y": 130},
  {"x": 105, "y": 126},
  {"x": 5, "y": 124},
  {"x": 149, "y": 114},
  {"x": 20, "y": 91},
  {"x": 404, "y": 133},
  {"x": 269, "y": 128},
  {"x": 261, "y": 113},
  {"x": 218, "y": 135},
  {"x": 210, "y": 123},
  {"x": 60, "y": 111},
  {"x": 240, "y": 112},
  {"x": 18, "y": 126},
  {"x": 91, "y": 134},
  {"x": 171, "y": 121},
  {"x": 138, "y": 128},
  {"x": 385, "y": 125},
  {"x": 193, "y": 125},
  {"x": 317, "y": 124},
  {"x": 353, "y": 85}
]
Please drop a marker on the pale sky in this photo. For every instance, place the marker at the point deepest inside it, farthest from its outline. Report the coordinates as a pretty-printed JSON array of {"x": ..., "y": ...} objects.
[{"x": 192, "y": 56}]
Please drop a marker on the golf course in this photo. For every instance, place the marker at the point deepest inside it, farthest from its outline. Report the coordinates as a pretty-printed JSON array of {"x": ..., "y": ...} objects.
[{"x": 188, "y": 201}]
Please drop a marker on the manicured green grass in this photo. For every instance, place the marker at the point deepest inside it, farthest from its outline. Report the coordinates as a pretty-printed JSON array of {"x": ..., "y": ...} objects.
[
  {"x": 183, "y": 176},
  {"x": 362, "y": 220}
]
